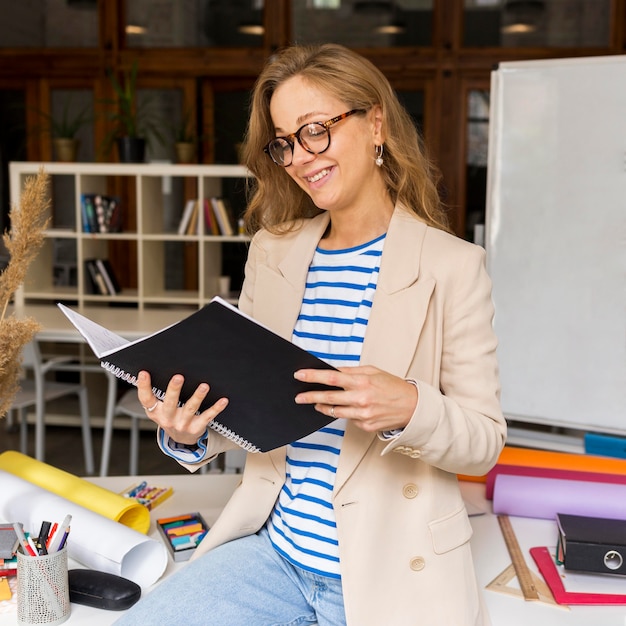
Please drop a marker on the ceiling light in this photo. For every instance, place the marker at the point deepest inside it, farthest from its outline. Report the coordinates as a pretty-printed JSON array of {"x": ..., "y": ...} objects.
[
  {"x": 251, "y": 29},
  {"x": 519, "y": 28},
  {"x": 390, "y": 29},
  {"x": 135, "y": 29}
]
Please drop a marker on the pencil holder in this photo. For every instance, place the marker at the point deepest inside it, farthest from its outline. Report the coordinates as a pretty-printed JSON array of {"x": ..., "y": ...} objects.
[{"x": 43, "y": 593}]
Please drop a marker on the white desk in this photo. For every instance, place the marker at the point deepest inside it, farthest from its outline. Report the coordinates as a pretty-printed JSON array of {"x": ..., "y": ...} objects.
[{"x": 209, "y": 492}]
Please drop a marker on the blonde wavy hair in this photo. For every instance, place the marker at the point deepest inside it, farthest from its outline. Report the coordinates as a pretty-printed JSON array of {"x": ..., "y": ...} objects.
[{"x": 275, "y": 200}]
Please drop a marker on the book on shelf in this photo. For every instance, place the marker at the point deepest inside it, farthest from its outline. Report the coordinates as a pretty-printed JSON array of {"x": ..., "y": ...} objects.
[
  {"x": 193, "y": 228},
  {"x": 210, "y": 223},
  {"x": 222, "y": 216},
  {"x": 110, "y": 279},
  {"x": 94, "y": 279},
  {"x": 100, "y": 213},
  {"x": 102, "y": 277},
  {"x": 88, "y": 212},
  {"x": 238, "y": 357},
  {"x": 186, "y": 216}
]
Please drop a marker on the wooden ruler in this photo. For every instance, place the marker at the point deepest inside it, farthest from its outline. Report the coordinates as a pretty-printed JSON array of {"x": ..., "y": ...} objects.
[
  {"x": 523, "y": 573},
  {"x": 501, "y": 584}
]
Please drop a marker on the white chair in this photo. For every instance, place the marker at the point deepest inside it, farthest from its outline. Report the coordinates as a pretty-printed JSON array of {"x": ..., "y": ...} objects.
[
  {"x": 38, "y": 391},
  {"x": 130, "y": 406}
]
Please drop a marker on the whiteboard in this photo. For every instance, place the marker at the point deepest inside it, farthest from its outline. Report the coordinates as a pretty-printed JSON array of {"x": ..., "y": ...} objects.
[{"x": 556, "y": 239}]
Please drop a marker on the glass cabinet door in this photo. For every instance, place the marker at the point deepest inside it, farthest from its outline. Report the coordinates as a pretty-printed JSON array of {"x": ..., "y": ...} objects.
[
  {"x": 49, "y": 24},
  {"x": 537, "y": 23},
  {"x": 476, "y": 152},
  {"x": 363, "y": 23},
  {"x": 194, "y": 23}
]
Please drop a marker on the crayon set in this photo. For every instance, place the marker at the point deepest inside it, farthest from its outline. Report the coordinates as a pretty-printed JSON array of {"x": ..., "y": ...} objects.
[
  {"x": 148, "y": 495},
  {"x": 182, "y": 534}
]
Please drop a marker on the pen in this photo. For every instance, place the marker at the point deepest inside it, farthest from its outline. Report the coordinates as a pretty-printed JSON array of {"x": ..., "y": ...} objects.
[
  {"x": 22, "y": 538},
  {"x": 64, "y": 538}
]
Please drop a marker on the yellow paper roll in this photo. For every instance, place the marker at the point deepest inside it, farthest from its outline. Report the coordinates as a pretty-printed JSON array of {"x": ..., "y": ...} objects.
[{"x": 97, "y": 499}]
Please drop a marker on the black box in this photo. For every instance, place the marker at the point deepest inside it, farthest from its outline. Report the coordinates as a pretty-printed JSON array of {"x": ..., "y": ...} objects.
[
  {"x": 182, "y": 534},
  {"x": 592, "y": 544}
]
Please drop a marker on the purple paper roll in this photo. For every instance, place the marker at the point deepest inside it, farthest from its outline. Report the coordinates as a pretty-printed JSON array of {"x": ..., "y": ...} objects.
[{"x": 532, "y": 496}]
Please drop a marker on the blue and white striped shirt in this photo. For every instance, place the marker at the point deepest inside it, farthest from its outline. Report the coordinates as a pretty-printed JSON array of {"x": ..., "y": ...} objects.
[{"x": 335, "y": 310}]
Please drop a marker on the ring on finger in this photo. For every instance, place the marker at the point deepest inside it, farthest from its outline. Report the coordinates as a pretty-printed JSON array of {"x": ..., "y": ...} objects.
[
  {"x": 154, "y": 406},
  {"x": 332, "y": 411}
]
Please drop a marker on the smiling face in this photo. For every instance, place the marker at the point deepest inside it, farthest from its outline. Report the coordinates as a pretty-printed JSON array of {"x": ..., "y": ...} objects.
[{"x": 344, "y": 178}]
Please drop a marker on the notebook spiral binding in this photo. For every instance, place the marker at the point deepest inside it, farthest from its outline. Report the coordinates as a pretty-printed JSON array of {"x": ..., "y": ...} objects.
[
  {"x": 118, "y": 372},
  {"x": 229, "y": 434}
]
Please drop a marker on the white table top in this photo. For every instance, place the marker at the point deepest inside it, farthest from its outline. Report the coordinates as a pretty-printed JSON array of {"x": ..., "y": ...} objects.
[
  {"x": 130, "y": 323},
  {"x": 209, "y": 492}
]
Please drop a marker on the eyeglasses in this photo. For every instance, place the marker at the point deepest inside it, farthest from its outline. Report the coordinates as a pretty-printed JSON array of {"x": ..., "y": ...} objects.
[{"x": 314, "y": 137}]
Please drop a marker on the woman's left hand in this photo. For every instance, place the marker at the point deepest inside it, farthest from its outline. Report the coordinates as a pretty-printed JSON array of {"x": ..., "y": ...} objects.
[{"x": 375, "y": 400}]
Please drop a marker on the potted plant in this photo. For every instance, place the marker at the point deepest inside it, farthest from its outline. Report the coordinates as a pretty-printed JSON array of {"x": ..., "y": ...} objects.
[
  {"x": 64, "y": 129},
  {"x": 185, "y": 138},
  {"x": 133, "y": 123}
]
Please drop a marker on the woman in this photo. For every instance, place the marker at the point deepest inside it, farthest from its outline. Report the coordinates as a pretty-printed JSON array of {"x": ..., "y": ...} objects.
[{"x": 361, "y": 523}]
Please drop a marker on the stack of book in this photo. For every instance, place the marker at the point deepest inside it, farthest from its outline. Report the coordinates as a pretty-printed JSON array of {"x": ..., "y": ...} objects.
[
  {"x": 217, "y": 213},
  {"x": 101, "y": 214},
  {"x": 101, "y": 277}
]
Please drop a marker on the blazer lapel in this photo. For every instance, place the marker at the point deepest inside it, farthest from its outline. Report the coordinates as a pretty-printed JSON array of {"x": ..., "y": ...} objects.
[
  {"x": 285, "y": 284},
  {"x": 396, "y": 320},
  {"x": 401, "y": 300}
]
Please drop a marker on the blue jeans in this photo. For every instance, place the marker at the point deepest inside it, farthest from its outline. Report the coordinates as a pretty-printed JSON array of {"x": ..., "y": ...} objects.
[{"x": 241, "y": 583}]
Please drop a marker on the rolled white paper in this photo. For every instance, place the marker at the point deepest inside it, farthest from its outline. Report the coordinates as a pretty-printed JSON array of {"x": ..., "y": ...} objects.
[{"x": 95, "y": 541}]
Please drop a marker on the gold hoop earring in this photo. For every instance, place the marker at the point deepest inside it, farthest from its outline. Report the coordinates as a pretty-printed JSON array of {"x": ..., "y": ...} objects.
[{"x": 379, "y": 155}]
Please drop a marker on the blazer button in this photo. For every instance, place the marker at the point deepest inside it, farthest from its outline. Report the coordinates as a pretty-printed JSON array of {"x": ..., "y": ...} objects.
[
  {"x": 417, "y": 563},
  {"x": 410, "y": 490}
]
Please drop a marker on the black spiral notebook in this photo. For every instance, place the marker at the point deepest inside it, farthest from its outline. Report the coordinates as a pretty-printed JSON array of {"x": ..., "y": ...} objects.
[{"x": 239, "y": 358}]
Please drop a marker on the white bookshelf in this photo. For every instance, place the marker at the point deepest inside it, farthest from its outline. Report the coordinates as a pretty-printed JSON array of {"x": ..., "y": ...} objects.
[{"x": 158, "y": 193}]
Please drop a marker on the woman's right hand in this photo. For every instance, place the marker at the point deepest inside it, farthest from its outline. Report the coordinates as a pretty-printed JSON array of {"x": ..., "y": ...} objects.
[{"x": 180, "y": 423}]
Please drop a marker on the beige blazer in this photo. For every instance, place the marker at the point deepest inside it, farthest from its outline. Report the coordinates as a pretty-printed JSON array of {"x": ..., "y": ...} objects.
[{"x": 403, "y": 528}]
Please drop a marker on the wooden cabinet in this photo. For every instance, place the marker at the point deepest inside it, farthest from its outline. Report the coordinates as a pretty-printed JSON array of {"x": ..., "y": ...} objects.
[{"x": 157, "y": 266}]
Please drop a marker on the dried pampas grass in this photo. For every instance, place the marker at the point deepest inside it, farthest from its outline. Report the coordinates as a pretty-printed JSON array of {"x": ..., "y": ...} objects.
[{"x": 23, "y": 243}]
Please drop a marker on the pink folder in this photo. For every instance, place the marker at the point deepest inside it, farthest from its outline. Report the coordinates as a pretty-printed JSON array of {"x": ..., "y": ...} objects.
[{"x": 548, "y": 568}]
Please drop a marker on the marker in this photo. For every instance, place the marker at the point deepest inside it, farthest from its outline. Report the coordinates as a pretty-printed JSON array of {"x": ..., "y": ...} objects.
[
  {"x": 43, "y": 537},
  {"x": 22, "y": 539},
  {"x": 51, "y": 534}
]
